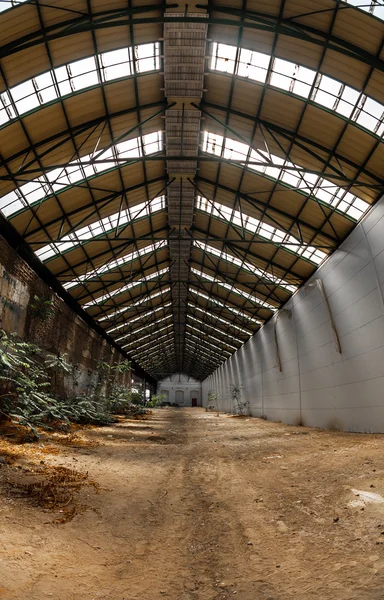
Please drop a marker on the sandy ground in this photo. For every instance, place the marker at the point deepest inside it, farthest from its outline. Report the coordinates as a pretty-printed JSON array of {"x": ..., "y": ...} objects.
[{"x": 194, "y": 506}]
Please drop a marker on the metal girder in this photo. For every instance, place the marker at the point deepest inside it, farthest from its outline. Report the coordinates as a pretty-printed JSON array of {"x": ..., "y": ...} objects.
[
  {"x": 212, "y": 318},
  {"x": 249, "y": 20},
  {"x": 123, "y": 245},
  {"x": 308, "y": 145},
  {"x": 223, "y": 335},
  {"x": 122, "y": 162},
  {"x": 100, "y": 202},
  {"x": 231, "y": 245},
  {"x": 268, "y": 210},
  {"x": 59, "y": 139}
]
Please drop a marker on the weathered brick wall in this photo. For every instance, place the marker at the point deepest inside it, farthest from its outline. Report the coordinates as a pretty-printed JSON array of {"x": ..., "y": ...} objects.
[{"x": 61, "y": 331}]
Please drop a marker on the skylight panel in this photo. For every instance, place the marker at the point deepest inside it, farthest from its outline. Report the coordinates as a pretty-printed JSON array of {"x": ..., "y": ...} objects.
[
  {"x": 82, "y": 67},
  {"x": 105, "y": 226},
  {"x": 371, "y": 116},
  {"x": 327, "y": 91},
  {"x": 125, "y": 288},
  {"x": 374, "y": 7},
  {"x": 7, "y": 4},
  {"x": 77, "y": 76},
  {"x": 232, "y": 288},
  {"x": 44, "y": 85},
  {"x": 129, "y": 149},
  {"x": 141, "y": 317},
  {"x": 282, "y": 170},
  {"x": 115, "y": 57},
  {"x": 235, "y": 311},
  {"x": 213, "y": 338},
  {"x": 301, "y": 81},
  {"x": 198, "y": 337},
  {"x": 126, "y": 308},
  {"x": 210, "y": 326},
  {"x": 152, "y": 142},
  {"x": 56, "y": 180},
  {"x": 282, "y": 74},
  {"x": 147, "y": 57},
  {"x": 223, "y": 58},
  {"x": 191, "y": 346},
  {"x": 212, "y": 143},
  {"x": 243, "y": 264},
  {"x": 114, "y": 264},
  {"x": 217, "y": 318},
  {"x": 262, "y": 229},
  {"x": 24, "y": 95},
  {"x": 253, "y": 65},
  {"x": 138, "y": 350},
  {"x": 235, "y": 150},
  {"x": 145, "y": 337}
]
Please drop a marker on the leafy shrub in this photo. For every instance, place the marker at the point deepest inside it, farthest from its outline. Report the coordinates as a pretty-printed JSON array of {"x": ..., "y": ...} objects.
[
  {"x": 156, "y": 400},
  {"x": 26, "y": 389}
]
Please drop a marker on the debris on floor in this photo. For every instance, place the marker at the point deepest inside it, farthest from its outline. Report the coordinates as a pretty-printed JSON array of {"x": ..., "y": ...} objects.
[{"x": 365, "y": 498}]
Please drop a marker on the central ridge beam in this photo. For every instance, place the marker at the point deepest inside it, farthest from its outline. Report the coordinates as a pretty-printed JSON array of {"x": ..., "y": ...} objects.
[{"x": 184, "y": 62}]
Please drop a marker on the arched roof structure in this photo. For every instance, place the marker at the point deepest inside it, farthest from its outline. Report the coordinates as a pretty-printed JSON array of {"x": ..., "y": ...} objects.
[{"x": 177, "y": 170}]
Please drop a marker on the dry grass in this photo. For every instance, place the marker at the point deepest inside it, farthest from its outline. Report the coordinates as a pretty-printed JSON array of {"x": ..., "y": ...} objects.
[{"x": 53, "y": 489}]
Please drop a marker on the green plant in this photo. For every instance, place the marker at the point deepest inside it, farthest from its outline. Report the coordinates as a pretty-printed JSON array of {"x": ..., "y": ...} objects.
[
  {"x": 24, "y": 396},
  {"x": 156, "y": 400},
  {"x": 240, "y": 406},
  {"x": 41, "y": 308},
  {"x": 123, "y": 367},
  {"x": 101, "y": 365},
  {"x": 58, "y": 362},
  {"x": 213, "y": 401},
  {"x": 26, "y": 390}
]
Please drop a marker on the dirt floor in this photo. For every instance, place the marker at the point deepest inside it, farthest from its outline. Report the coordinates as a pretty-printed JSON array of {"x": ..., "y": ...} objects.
[{"x": 188, "y": 505}]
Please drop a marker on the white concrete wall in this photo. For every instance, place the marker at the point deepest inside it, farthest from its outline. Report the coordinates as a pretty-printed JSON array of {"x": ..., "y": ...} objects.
[
  {"x": 179, "y": 382},
  {"x": 317, "y": 386}
]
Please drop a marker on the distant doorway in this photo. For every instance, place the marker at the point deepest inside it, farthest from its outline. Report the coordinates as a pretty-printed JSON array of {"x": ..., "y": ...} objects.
[
  {"x": 194, "y": 401},
  {"x": 179, "y": 397}
]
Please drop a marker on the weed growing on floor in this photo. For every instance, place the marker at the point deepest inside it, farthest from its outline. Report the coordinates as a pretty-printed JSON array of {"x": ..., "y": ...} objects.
[
  {"x": 213, "y": 401},
  {"x": 156, "y": 400}
]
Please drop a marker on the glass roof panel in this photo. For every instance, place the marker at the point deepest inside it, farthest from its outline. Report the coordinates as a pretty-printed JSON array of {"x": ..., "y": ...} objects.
[
  {"x": 143, "y": 346},
  {"x": 114, "y": 264},
  {"x": 260, "y": 229},
  {"x": 206, "y": 343},
  {"x": 143, "y": 316},
  {"x": 301, "y": 81},
  {"x": 56, "y": 180},
  {"x": 211, "y": 337},
  {"x": 247, "y": 266},
  {"x": 216, "y": 301},
  {"x": 145, "y": 337},
  {"x": 128, "y": 307},
  {"x": 232, "y": 288},
  {"x": 145, "y": 327},
  {"x": 7, "y": 4},
  {"x": 293, "y": 175},
  {"x": 103, "y": 227},
  {"x": 374, "y": 7},
  {"x": 125, "y": 288},
  {"x": 210, "y": 326},
  {"x": 76, "y": 76},
  {"x": 228, "y": 324}
]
